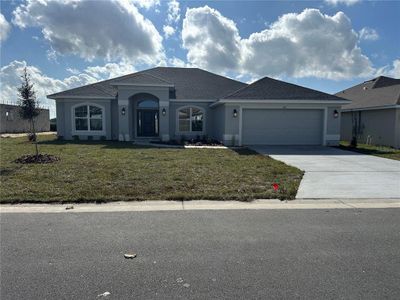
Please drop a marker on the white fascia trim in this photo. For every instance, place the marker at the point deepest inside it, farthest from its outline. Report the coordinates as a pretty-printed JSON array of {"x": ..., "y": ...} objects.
[
  {"x": 190, "y": 100},
  {"x": 279, "y": 101},
  {"x": 142, "y": 84},
  {"x": 81, "y": 97},
  {"x": 372, "y": 108}
]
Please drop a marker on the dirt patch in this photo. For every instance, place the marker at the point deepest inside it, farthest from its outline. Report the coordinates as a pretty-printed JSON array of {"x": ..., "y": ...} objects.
[{"x": 40, "y": 159}]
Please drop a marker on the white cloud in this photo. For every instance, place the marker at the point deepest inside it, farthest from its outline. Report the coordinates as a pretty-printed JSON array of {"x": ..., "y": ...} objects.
[
  {"x": 10, "y": 78},
  {"x": 110, "y": 70},
  {"x": 73, "y": 71},
  {"x": 368, "y": 34},
  {"x": 51, "y": 55},
  {"x": 173, "y": 12},
  {"x": 147, "y": 4},
  {"x": 113, "y": 29},
  {"x": 391, "y": 71},
  {"x": 299, "y": 45},
  {"x": 212, "y": 41},
  {"x": 173, "y": 17},
  {"x": 177, "y": 62},
  {"x": 345, "y": 2},
  {"x": 4, "y": 28},
  {"x": 168, "y": 31}
]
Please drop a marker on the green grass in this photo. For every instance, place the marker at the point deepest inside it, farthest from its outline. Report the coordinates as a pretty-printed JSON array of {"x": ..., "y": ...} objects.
[
  {"x": 380, "y": 151},
  {"x": 115, "y": 171}
]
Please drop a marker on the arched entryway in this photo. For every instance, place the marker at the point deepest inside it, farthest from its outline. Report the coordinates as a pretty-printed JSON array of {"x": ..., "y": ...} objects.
[{"x": 147, "y": 115}]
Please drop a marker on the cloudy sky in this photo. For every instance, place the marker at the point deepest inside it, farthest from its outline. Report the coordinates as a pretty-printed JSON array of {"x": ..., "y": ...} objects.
[{"x": 327, "y": 45}]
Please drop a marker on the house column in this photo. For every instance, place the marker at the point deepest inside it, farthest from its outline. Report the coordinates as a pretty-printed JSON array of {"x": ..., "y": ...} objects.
[
  {"x": 164, "y": 120},
  {"x": 124, "y": 118}
]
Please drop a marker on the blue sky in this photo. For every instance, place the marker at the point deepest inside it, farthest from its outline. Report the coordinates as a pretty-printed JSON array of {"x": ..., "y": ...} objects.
[{"x": 327, "y": 45}]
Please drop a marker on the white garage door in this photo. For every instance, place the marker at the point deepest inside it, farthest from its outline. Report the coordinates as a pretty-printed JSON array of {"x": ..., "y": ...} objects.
[{"x": 282, "y": 126}]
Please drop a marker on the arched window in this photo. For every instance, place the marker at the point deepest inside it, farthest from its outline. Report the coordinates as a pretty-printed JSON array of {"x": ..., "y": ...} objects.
[
  {"x": 190, "y": 119},
  {"x": 88, "y": 118},
  {"x": 148, "y": 103}
]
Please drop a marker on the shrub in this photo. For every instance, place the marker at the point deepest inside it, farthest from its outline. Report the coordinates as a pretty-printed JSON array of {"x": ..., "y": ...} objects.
[{"x": 32, "y": 137}]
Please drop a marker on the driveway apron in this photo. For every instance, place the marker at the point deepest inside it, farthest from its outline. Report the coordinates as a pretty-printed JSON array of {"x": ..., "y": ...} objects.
[{"x": 336, "y": 173}]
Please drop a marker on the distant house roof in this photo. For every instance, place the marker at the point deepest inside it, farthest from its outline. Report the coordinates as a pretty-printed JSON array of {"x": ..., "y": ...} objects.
[
  {"x": 188, "y": 83},
  {"x": 380, "y": 91},
  {"x": 272, "y": 89}
]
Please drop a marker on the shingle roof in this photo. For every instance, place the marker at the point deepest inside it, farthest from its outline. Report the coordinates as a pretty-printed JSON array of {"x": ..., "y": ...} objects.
[
  {"x": 189, "y": 83},
  {"x": 272, "y": 89},
  {"x": 380, "y": 91},
  {"x": 140, "y": 78}
]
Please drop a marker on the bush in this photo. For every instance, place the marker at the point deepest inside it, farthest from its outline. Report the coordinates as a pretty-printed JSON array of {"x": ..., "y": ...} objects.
[{"x": 32, "y": 137}]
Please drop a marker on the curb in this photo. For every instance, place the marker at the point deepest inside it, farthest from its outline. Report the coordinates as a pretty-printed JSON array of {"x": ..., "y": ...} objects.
[{"x": 144, "y": 206}]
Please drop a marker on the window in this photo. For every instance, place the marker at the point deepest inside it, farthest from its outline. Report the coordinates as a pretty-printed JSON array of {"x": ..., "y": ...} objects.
[
  {"x": 88, "y": 118},
  {"x": 148, "y": 104},
  {"x": 190, "y": 119}
]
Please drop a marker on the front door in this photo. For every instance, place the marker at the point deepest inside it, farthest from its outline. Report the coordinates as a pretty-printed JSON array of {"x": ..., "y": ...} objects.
[{"x": 147, "y": 123}]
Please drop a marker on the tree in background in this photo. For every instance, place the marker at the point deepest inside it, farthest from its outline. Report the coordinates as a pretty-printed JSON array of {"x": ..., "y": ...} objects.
[{"x": 28, "y": 105}]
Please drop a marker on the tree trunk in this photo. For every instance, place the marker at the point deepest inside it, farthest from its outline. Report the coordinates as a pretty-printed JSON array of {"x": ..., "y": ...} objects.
[{"x": 35, "y": 137}]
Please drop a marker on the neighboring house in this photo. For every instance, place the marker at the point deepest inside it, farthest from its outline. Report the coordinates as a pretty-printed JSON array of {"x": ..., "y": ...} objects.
[
  {"x": 374, "y": 113},
  {"x": 173, "y": 103},
  {"x": 11, "y": 122}
]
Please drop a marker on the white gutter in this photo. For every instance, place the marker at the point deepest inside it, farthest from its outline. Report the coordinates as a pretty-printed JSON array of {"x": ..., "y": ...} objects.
[
  {"x": 142, "y": 84},
  {"x": 372, "y": 108},
  {"x": 80, "y": 97},
  {"x": 279, "y": 101}
]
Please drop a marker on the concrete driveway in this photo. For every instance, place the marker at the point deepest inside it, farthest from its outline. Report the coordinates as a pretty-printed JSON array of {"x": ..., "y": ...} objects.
[{"x": 335, "y": 173}]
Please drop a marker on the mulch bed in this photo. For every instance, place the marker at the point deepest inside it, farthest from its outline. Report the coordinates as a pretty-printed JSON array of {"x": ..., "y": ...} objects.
[{"x": 40, "y": 159}]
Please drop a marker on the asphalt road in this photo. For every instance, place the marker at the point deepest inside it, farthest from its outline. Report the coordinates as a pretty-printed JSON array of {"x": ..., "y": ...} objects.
[{"x": 285, "y": 254}]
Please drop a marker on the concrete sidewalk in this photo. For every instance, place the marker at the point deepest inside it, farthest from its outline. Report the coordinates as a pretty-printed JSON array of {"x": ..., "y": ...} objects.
[
  {"x": 16, "y": 135},
  {"x": 200, "y": 205}
]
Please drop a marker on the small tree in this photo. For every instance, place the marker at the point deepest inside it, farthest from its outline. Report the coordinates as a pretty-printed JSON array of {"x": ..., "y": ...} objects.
[{"x": 28, "y": 105}]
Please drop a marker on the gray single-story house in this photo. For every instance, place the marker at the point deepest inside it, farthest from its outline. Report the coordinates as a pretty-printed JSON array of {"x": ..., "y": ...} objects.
[
  {"x": 167, "y": 103},
  {"x": 374, "y": 113}
]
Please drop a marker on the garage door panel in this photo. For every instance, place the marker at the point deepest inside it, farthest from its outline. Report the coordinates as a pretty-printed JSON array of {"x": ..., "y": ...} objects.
[{"x": 282, "y": 127}]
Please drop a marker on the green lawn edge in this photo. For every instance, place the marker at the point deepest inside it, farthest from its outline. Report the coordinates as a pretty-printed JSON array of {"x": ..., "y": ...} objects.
[{"x": 108, "y": 171}]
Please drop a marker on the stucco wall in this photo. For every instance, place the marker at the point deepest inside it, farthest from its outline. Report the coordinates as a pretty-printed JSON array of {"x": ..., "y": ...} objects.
[
  {"x": 217, "y": 130},
  {"x": 383, "y": 126},
  {"x": 10, "y": 120},
  {"x": 127, "y": 123},
  {"x": 65, "y": 118}
]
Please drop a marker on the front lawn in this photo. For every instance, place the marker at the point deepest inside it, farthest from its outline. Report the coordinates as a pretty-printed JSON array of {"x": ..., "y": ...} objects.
[
  {"x": 116, "y": 171},
  {"x": 381, "y": 151}
]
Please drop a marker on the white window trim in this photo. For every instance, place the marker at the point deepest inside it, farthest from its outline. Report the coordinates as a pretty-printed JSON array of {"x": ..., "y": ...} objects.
[
  {"x": 88, "y": 132},
  {"x": 177, "y": 131}
]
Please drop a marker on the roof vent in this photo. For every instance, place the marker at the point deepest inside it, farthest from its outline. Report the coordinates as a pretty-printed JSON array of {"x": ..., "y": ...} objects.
[{"x": 365, "y": 88}]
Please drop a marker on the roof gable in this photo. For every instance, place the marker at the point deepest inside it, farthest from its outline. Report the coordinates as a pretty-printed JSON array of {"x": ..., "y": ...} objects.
[
  {"x": 188, "y": 83},
  {"x": 272, "y": 89},
  {"x": 141, "y": 78},
  {"x": 380, "y": 91}
]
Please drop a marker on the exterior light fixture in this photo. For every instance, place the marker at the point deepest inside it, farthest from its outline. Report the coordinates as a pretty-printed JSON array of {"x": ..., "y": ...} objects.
[
  {"x": 335, "y": 114},
  {"x": 235, "y": 113},
  {"x": 123, "y": 111},
  {"x": 164, "y": 111}
]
